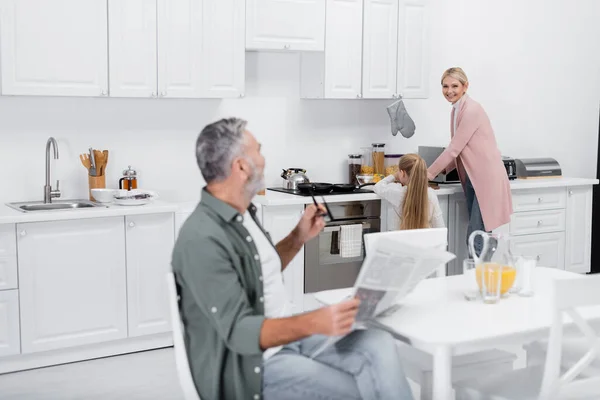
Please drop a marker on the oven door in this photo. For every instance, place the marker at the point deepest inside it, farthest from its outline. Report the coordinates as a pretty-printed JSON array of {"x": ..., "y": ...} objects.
[{"x": 324, "y": 266}]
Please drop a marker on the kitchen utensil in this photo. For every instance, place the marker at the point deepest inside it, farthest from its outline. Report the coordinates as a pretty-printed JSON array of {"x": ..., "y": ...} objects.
[
  {"x": 315, "y": 187},
  {"x": 103, "y": 195},
  {"x": 348, "y": 188},
  {"x": 293, "y": 176},
  {"x": 354, "y": 165},
  {"x": 362, "y": 179},
  {"x": 93, "y": 161},
  {"x": 85, "y": 161},
  {"x": 129, "y": 179}
]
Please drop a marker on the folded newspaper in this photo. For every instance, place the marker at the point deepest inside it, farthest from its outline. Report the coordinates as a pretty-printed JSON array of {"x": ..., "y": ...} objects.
[{"x": 390, "y": 271}]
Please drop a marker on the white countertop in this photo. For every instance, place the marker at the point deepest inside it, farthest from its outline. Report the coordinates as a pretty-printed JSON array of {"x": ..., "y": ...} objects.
[
  {"x": 272, "y": 198},
  {"x": 11, "y": 216}
]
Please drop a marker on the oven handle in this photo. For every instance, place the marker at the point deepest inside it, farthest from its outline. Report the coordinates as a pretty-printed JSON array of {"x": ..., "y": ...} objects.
[{"x": 337, "y": 228}]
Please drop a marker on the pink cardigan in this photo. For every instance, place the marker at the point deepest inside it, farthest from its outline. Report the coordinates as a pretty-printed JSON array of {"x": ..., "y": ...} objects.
[{"x": 473, "y": 151}]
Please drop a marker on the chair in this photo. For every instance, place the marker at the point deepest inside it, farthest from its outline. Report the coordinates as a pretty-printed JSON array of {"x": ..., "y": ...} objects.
[
  {"x": 546, "y": 382},
  {"x": 418, "y": 365},
  {"x": 181, "y": 360}
]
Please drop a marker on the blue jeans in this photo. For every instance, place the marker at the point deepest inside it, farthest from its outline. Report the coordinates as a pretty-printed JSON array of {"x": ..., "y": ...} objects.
[
  {"x": 475, "y": 218},
  {"x": 363, "y": 365}
]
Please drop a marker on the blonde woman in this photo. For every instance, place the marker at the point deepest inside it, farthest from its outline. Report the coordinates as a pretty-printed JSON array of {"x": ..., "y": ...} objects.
[
  {"x": 415, "y": 204},
  {"x": 474, "y": 153}
]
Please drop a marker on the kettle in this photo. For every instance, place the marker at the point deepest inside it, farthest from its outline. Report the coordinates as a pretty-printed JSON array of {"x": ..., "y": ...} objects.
[
  {"x": 129, "y": 179},
  {"x": 293, "y": 176}
]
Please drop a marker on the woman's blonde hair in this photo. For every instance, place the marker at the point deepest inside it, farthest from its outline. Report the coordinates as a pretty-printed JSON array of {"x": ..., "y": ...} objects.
[
  {"x": 415, "y": 209},
  {"x": 456, "y": 73}
]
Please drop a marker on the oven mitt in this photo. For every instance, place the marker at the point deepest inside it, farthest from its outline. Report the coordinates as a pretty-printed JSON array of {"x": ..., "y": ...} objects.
[{"x": 400, "y": 120}]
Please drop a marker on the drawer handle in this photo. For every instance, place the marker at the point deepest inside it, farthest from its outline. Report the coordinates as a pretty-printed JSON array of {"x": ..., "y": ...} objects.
[
  {"x": 538, "y": 257},
  {"x": 23, "y": 233},
  {"x": 132, "y": 224},
  {"x": 540, "y": 199},
  {"x": 570, "y": 193},
  {"x": 540, "y": 223}
]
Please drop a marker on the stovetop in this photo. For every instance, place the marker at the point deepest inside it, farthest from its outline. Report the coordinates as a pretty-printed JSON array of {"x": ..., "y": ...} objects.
[{"x": 298, "y": 193}]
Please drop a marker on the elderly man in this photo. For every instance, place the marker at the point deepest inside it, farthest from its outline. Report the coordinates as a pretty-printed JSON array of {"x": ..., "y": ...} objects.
[{"x": 241, "y": 339}]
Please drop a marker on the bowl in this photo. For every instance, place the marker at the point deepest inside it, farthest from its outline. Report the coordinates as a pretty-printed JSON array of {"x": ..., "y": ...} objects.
[
  {"x": 103, "y": 195},
  {"x": 362, "y": 179}
]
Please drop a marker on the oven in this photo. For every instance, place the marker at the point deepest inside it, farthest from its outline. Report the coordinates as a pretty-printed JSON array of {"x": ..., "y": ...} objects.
[{"x": 326, "y": 264}]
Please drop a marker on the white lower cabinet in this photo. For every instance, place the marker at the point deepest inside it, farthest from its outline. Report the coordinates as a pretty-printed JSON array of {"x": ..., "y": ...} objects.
[
  {"x": 10, "y": 343},
  {"x": 547, "y": 248},
  {"x": 149, "y": 240},
  {"x": 578, "y": 241},
  {"x": 71, "y": 283},
  {"x": 278, "y": 222}
]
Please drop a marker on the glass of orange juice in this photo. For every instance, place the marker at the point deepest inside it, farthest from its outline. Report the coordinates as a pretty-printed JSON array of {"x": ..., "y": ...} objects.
[{"x": 494, "y": 280}]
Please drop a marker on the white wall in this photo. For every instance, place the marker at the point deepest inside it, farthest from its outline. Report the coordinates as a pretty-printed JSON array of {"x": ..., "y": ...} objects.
[{"x": 536, "y": 71}]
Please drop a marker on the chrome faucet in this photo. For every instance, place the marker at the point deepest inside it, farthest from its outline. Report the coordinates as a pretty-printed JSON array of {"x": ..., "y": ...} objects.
[{"x": 49, "y": 194}]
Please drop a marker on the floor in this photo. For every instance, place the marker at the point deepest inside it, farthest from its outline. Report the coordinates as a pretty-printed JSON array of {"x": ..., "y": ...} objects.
[{"x": 138, "y": 376}]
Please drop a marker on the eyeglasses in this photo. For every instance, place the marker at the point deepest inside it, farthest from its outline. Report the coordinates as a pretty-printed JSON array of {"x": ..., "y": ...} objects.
[{"x": 328, "y": 213}]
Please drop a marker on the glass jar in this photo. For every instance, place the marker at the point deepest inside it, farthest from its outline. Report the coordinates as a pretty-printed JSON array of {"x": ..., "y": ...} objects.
[
  {"x": 354, "y": 167},
  {"x": 391, "y": 163},
  {"x": 367, "y": 161},
  {"x": 378, "y": 150}
]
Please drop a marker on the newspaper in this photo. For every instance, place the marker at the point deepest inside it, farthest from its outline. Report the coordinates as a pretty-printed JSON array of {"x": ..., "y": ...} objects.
[{"x": 390, "y": 271}]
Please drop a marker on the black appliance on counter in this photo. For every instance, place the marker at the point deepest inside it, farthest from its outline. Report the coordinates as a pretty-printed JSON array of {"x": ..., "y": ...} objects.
[{"x": 299, "y": 193}]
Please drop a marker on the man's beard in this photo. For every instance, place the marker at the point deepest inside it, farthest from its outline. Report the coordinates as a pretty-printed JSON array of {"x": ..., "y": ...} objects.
[{"x": 256, "y": 182}]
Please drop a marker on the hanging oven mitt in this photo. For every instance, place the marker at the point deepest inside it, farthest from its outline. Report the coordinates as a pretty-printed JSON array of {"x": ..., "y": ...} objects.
[{"x": 400, "y": 120}]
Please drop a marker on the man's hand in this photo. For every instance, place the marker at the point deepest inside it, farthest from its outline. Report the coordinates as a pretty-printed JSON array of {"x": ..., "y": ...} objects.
[
  {"x": 310, "y": 224},
  {"x": 335, "y": 320}
]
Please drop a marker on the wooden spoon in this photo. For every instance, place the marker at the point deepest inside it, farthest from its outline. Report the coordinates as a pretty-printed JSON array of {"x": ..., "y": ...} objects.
[{"x": 85, "y": 160}]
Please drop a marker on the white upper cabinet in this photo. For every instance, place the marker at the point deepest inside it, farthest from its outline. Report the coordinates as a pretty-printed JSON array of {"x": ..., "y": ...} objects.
[
  {"x": 132, "y": 30},
  {"x": 336, "y": 73},
  {"x": 413, "y": 49},
  {"x": 179, "y": 48},
  {"x": 54, "y": 48},
  {"x": 285, "y": 25},
  {"x": 223, "y": 48},
  {"x": 380, "y": 49}
]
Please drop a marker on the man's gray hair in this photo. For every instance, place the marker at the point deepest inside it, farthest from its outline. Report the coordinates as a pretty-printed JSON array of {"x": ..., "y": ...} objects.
[{"x": 217, "y": 145}]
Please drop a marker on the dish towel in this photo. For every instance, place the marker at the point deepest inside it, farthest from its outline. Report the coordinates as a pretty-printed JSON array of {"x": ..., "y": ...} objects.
[
  {"x": 400, "y": 120},
  {"x": 351, "y": 240}
]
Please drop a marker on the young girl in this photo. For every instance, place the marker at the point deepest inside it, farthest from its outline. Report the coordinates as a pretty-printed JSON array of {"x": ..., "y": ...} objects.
[{"x": 415, "y": 204}]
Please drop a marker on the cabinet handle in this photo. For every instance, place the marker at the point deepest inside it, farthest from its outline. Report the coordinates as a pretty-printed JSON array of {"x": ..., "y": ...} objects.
[
  {"x": 163, "y": 94},
  {"x": 23, "y": 233},
  {"x": 153, "y": 94},
  {"x": 132, "y": 224},
  {"x": 540, "y": 199},
  {"x": 570, "y": 193},
  {"x": 394, "y": 96},
  {"x": 286, "y": 46},
  {"x": 538, "y": 257},
  {"x": 242, "y": 95},
  {"x": 540, "y": 223},
  {"x": 103, "y": 93},
  {"x": 359, "y": 96}
]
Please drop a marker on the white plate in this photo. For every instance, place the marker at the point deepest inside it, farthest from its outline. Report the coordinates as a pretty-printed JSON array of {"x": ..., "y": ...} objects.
[{"x": 134, "y": 202}]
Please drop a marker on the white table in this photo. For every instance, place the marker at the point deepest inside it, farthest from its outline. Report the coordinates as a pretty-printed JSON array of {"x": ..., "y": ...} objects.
[{"x": 437, "y": 319}]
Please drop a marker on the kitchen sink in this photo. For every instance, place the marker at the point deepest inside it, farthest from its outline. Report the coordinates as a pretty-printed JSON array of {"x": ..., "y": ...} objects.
[{"x": 56, "y": 205}]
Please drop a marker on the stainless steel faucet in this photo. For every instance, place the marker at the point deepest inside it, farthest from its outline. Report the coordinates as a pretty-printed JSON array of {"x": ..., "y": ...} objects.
[{"x": 49, "y": 194}]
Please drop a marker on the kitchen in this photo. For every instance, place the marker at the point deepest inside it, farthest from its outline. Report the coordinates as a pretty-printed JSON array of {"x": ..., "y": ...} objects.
[{"x": 510, "y": 75}]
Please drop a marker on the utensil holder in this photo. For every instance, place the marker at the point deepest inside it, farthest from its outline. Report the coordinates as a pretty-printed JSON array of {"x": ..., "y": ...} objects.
[{"x": 96, "y": 182}]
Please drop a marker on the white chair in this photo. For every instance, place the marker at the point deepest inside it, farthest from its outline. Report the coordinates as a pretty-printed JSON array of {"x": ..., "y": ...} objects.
[
  {"x": 183, "y": 367},
  {"x": 546, "y": 382},
  {"x": 418, "y": 365}
]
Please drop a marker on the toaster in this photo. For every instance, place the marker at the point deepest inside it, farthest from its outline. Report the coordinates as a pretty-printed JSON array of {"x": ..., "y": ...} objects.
[{"x": 511, "y": 167}]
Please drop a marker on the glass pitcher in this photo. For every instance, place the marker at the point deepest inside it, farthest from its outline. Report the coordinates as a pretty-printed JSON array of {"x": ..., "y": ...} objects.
[{"x": 495, "y": 262}]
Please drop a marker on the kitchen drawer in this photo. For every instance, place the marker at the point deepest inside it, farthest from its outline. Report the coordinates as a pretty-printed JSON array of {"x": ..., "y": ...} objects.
[
  {"x": 539, "y": 199},
  {"x": 8, "y": 241},
  {"x": 547, "y": 248},
  {"x": 8, "y": 272},
  {"x": 533, "y": 222},
  {"x": 10, "y": 341}
]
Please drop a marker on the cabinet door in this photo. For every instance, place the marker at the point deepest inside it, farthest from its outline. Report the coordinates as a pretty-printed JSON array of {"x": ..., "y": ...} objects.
[
  {"x": 54, "y": 48},
  {"x": 180, "y": 48},
  {"x": 547, "y": 248},
  {"x": 9, "y": 323},
  {"x": 133, "y": 58},
  {"x": 285, "y": 25},
  {"x": 279, "y": 222},
  {"x": 71, "y": 283},
  {"x": 343, "y": 49},
  {"x": 8, "y": 257},
  {"x": 413, "y": 49},
  {"x": 223, "y": 48},
  {"x": 458, "y": 221},
  {"x": 444, "y": 204},
  {"x": 150, "y": 240},
  {"x": 380, "y": 49},
  {"x": 579, "y": 229}
]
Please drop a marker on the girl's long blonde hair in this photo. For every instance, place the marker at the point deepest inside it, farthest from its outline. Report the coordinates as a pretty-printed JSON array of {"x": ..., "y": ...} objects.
[{"x": 415, "y": 209}]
